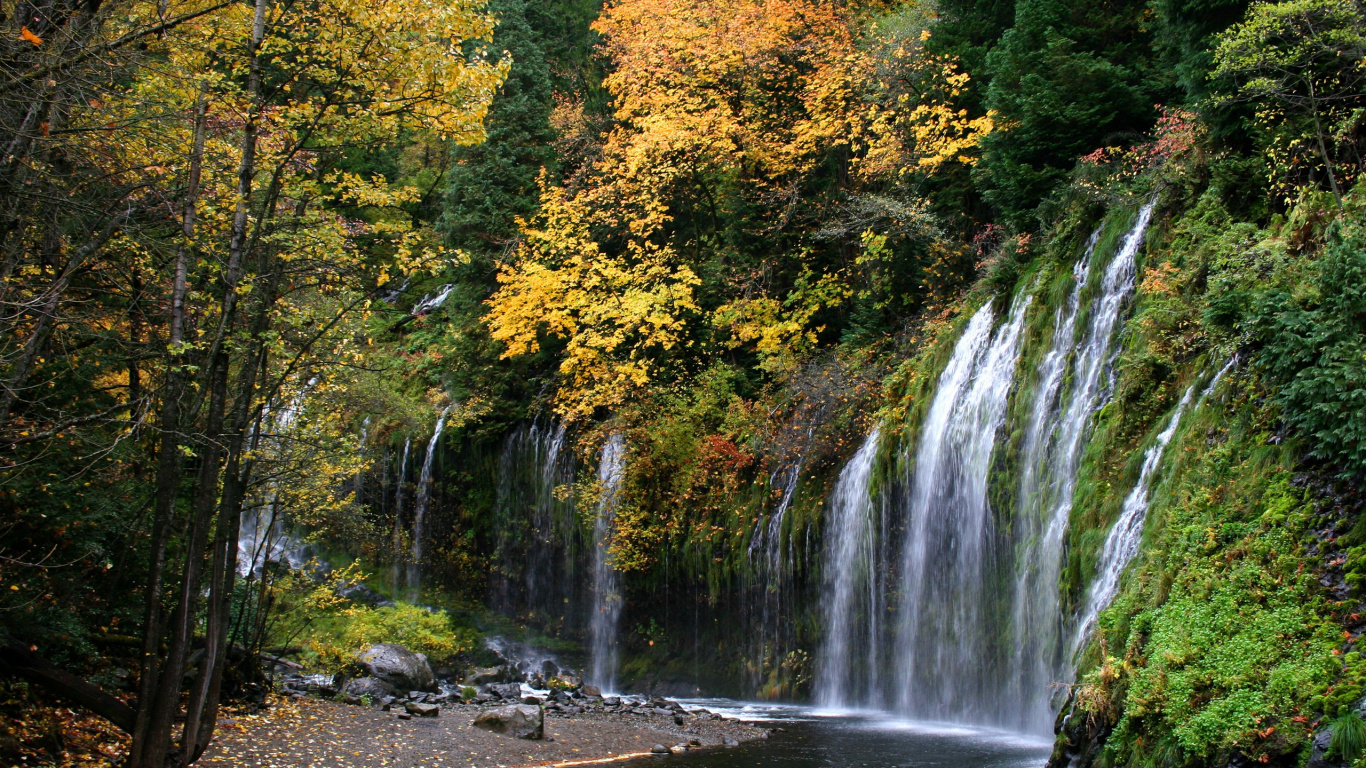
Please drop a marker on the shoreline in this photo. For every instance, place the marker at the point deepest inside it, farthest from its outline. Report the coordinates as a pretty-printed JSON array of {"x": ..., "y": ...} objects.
[{"x": 316, "y": 733}]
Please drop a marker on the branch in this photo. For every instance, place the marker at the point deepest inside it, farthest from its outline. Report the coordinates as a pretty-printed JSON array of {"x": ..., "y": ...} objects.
[{"x": 113, "y": 45}]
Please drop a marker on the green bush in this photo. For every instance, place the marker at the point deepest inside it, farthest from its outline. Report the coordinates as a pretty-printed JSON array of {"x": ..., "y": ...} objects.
[
  {"x": 1314, "y": 349},
  {"x": 336, "y": 642}
]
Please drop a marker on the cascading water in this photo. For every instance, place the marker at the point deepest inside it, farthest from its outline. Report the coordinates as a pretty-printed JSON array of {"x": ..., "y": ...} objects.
[
  {"x": 1121, "y": 544},
  {"x": 950, "y": 576},
  {"x": 1055, "y": 438},
  {"x": 424, "y": 495},
  {"x": 854, "y": 593},
  {"x": 538, "y": 546},
  {"x": 261, "y": 534},
  {"x": 398, "y": 515},
  {"x": 607, "y": 598}
]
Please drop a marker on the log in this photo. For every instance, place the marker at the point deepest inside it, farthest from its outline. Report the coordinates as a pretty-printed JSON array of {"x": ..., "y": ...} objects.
[{"x": 26, "y": 663}]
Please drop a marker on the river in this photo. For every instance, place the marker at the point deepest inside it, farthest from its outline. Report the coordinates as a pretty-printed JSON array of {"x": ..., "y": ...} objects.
[{"x": 813, "y": 738}]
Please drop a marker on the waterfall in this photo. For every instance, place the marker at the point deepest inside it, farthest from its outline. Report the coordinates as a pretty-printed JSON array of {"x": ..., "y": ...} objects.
[
  {"x": 607, "y": 598},
  {"x": 949, "y": 577},
  {"x": 424, "y": 494},
  {"x": 538, "y": 540},
  {"x": 854, "y": 584},
  {"x": 262, "y": 539},
  {"x": 1121, "y": 544},
  {"x": 398, "y": 515},
  {"x": 1055, "y": 439}
]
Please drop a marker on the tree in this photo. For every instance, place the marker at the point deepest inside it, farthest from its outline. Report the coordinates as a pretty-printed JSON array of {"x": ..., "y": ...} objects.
[
  {"x": 493, "y": 183},
  {"x": 1064, "y": 80},
  {"x": 1301, "y": 62},
  {"x": 213, "y": 261}
]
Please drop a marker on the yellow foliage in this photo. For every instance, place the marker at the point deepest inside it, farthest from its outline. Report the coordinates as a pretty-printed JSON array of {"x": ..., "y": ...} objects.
[{"x": 616, "y": 313}]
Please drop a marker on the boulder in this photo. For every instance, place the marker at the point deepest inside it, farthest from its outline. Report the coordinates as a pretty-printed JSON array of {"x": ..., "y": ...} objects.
[
  {"x": 373, "y": 687},
  {"x": 591, "y": 690},
  {"x": 511, "y": 691},
  {"x": 422, "y": 710},
  {"x": 660, "y": 749},
  {"x": 398, "y": 667},
  {"x": 519, "y": 721},
  {"x": 566, "y": 681}
]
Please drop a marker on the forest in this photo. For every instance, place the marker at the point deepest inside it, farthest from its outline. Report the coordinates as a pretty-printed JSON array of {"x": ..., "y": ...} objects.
[{"x": 997, "y": 363}]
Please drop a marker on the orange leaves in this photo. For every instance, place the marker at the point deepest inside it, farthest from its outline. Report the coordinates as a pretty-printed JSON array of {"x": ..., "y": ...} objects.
[{"x": 29, "y": 36}]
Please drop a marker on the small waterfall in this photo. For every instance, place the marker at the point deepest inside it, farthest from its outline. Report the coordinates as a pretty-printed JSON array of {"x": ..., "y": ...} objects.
[
  {"x": 1055, "y": 439},
  {"x": 1121, "y": 544},
  {"x": 855, "y": 589},
  {"x": 538, "y": 539},
  {"x": 424, "y": 494},
  {"x": 261, "y": 536},
  {"x": 950, "y": 588},
  {"x": 607, "y": 598},
  {"x": 396, "y": 578},
  {"x": 262, "y": 539}
]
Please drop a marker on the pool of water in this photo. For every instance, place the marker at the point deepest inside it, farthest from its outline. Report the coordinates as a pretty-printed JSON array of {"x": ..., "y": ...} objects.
[{"x": 817, "y": 739}]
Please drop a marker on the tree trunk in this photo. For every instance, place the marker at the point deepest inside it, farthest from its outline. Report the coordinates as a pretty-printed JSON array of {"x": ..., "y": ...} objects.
[{"x": 168, "y": 456}]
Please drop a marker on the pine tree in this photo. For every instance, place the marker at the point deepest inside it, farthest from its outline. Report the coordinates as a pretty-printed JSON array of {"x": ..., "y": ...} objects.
[{"x": 494, "y": 183}]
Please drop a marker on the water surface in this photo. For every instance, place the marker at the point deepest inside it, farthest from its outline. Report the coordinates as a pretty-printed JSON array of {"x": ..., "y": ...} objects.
[{"x": 826, "y": 739}]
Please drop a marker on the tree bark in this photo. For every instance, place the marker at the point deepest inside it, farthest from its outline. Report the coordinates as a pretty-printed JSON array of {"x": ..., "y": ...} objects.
[{"x": 168, "y": 457}]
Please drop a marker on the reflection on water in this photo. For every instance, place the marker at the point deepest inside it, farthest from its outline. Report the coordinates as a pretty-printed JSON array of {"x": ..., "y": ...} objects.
[{"x": 813, "y": 738}]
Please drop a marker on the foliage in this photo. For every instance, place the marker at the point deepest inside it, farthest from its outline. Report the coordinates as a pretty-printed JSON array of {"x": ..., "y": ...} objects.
[
  {"x": 1300, "y": 62},
  {"x": 1314, "y": 342}
]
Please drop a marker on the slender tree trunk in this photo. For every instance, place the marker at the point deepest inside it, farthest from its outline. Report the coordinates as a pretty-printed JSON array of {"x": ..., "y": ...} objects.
[
  {"x": 202, "y": 712},
  {"x": 168, "y": 458}
]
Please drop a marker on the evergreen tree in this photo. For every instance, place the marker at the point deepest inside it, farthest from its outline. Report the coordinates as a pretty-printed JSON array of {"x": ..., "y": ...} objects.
[
  {"x": 1066, "y": 79},
  {"x": 494, "y": 183}
]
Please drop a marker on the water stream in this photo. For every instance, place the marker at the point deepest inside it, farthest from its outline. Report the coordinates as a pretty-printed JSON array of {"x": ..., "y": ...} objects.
[
  {"x": 855, "y": 589},
  {"x": 424, "y": 497},
  {"x": 607, "y": 598},
  {"x": 951, "y": 570}
]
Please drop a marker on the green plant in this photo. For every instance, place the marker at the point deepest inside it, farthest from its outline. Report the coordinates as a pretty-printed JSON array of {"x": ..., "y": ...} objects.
[{"x": 1349, "y": 736}]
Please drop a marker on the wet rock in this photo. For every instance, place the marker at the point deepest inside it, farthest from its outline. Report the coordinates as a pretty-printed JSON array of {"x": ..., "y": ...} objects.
[
  {"x": 421, "y": 709},
  {"x": 404, "y": 716},
  {"x": 660, "y": 749},
  {"x": 398, "y": 666},
  {"x": 730, "y": 741},
  {"x": 1318, "y": 756},
  {"x": 678, "y": 719},
  {"x": 519, "y": 721},
  {"x": 373, "y": 687},
  {"x": 591, "y": 690},
  {"x": 360, "y": 593},
  {"x": 512, "y": 691},
  {"x": 500, "y": 674},
  {"x": 549, "y": 668},
  {"x": 611, "y": 701}
]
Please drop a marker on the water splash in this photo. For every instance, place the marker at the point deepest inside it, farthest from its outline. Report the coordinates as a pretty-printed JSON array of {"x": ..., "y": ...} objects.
[
  {"x": 949, "y": 587},
  {"x": 607, "y": 598},
  {"x": 854, "y": 594},
  {"x": 424, "y": 496}
]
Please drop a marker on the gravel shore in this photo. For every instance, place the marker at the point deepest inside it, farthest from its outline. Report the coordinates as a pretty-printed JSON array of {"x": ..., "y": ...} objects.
[{"x": 313, "y": 733}]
